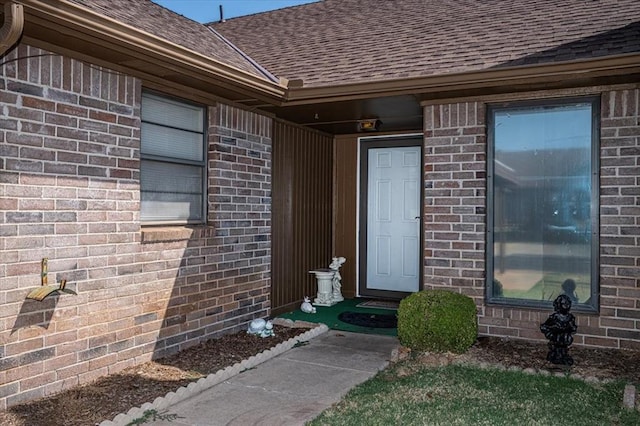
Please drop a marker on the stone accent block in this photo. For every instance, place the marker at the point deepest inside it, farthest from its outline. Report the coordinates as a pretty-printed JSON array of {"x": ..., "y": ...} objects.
[{"x": 162, "y": 403}]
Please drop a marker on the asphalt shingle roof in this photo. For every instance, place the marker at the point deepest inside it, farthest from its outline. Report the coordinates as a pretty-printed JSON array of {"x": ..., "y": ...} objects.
[
  {"x": 155, "y": 19},
  {"x": 348, "y": 41}
]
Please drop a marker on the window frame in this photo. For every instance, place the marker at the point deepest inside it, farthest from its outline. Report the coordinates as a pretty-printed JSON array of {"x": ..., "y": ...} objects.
[
  {"x": 180, "y": 161},
  {"x": 593, "y": 305}
]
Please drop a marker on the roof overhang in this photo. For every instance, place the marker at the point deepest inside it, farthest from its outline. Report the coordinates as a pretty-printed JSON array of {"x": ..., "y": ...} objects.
[
  {"x": 68, "y": 28},
  {"x": 543, "y": 74},
  {"x": 397, "y": 103}
]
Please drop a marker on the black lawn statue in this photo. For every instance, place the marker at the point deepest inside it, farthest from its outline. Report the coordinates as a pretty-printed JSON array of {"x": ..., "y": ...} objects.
[{"x": 559, "y": 329}]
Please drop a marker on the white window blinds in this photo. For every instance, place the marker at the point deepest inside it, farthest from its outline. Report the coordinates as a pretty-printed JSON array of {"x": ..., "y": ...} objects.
[{"x": 172, "y": 171}]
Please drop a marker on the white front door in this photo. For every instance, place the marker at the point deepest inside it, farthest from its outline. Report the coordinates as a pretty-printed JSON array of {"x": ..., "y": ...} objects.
[{"x": 393, "y": 219}]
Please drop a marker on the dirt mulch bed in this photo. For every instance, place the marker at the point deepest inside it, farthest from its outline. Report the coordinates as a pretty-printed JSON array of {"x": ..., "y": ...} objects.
[
  {"x": 601, "y": 364},
  {"x": 109, "y": 396},
  {"x": 114, "y": 394}
]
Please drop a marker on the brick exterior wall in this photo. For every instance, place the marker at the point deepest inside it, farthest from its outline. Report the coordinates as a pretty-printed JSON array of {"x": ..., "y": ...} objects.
[
  {"x": 619, "y": 321},
  {"x": 69, "y": 191},
  {"x": 455, "y": 218},
  {"x": 222, "y": 280},
  {"x": 455, "y": 182}
]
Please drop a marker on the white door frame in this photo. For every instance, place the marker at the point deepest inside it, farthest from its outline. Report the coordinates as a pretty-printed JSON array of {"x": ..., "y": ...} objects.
[{"x": 410, "y": 139}]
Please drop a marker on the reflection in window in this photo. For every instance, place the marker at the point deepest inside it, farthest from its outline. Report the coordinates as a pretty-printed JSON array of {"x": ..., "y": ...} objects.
[{"x": 542, "y": 199}]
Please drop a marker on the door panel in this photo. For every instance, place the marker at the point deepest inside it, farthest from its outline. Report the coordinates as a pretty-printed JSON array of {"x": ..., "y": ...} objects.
[{"x": 392, "y": 219}]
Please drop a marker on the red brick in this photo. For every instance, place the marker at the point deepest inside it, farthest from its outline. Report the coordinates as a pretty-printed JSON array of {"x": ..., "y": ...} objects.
[
  {"x": 40, "y": 380},
  {"x": 24, "y": 371},
  {"x": 102, "y": 362},
  {"x": 8, "y": 204}
]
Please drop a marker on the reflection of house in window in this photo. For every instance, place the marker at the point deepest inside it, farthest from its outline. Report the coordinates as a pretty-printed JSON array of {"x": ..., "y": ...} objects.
[
  {"x": 541, "y": 201},
  {"x": 553, "y": 191}
]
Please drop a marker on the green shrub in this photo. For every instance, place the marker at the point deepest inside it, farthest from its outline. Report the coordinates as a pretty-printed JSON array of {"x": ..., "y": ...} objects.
[{"x": 437, "y": 321}]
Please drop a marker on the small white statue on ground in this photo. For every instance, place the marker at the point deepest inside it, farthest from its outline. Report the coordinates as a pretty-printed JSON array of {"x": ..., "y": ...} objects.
[
  {"x": 261, "y": 328},
  {"x": 307, "y": 307},
  {"x": 335, "y": 265}
]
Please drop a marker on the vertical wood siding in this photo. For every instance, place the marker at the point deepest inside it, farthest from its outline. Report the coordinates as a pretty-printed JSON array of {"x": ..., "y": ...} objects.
[
  {"x": 301, "y": 212},
  {"x": 346, "y": 208}
]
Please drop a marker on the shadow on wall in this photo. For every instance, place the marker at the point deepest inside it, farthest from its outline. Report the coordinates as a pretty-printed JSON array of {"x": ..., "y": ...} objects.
[
  {"x": 34, "y": 313},
  {"x": 223, "y": 280},
  {"x": 41, "y": 301},
  {"x": 209, "y": 295}
]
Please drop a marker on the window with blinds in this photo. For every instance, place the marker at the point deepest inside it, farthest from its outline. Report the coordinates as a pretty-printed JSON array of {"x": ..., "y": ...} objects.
[{"x": 172, "y": 161}]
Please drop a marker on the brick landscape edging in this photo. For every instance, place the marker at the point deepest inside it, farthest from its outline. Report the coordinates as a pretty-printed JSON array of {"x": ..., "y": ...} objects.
[{"x": 172, "y": 398}]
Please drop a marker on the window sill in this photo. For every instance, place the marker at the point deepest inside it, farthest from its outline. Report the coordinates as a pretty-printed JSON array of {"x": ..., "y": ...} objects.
[
  {"x": 538, "y": 306},
  {"x": 166, "y": 234}
]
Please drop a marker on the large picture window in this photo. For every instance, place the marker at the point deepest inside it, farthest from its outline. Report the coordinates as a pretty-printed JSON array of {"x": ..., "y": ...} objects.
[
  {"x": 172, "y": 154},
  {"x": 543, "y": 203}
]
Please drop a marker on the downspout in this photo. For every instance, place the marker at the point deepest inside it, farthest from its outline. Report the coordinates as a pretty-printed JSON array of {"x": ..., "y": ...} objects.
[{"x": 13, "y": 26}]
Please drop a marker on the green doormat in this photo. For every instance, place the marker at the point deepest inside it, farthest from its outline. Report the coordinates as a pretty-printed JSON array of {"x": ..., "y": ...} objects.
[{"x": 329, "y": 315}]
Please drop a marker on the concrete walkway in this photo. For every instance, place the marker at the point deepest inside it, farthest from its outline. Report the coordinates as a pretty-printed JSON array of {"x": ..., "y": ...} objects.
[{"x": 291, "y": 388}]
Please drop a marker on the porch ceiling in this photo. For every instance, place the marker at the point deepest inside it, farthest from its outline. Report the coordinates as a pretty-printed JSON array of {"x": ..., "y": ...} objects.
[{"x": 397, "y": 113}]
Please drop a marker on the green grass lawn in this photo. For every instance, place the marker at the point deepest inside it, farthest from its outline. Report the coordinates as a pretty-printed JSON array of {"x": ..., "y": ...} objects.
[{"x": 409, "y": 394}]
